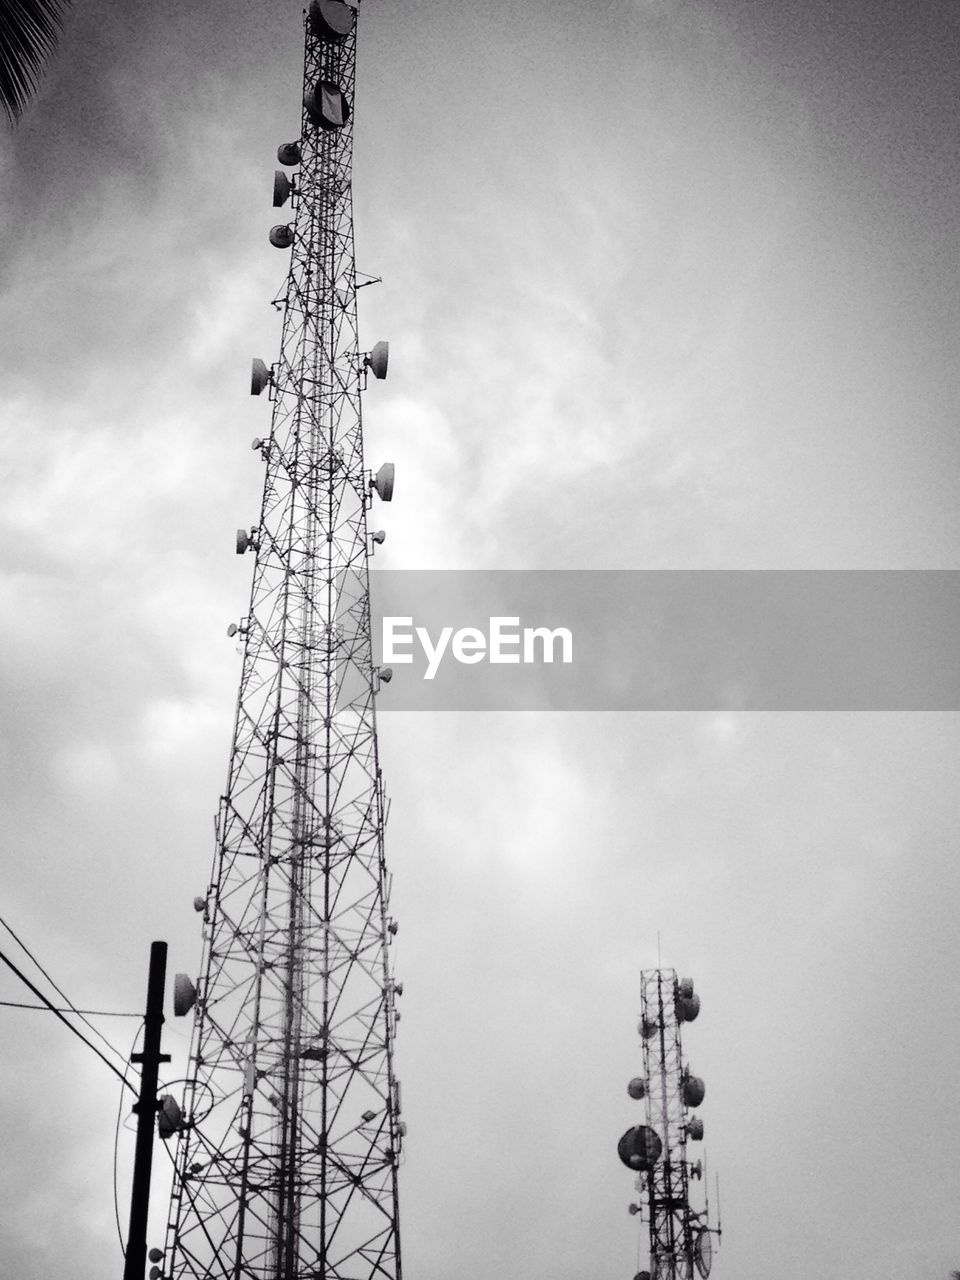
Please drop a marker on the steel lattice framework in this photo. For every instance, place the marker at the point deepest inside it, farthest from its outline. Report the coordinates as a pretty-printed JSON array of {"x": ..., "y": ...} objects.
[
  {"x": 671, "y": 1237},
  {"x": 680, "y": 1237},
  {"x": 287, "y": 1151}
]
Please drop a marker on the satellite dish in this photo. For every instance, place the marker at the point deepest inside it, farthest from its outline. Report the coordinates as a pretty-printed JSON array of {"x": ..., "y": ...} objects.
[
  {"x": 256, "y": 443},
  {"x": 376, "y": 361},
  {"x": 282, "y": 186},
  {"x": 636, "y": 1088},
  {"x": 688, "y": 1008},
  {"x": 642, "y": 1275},
  {"x": 694, "y": 1091},
  {"x": 289, "y": 153},
  {"x": 155, "y": 1255},
  {"x": 695, "y": 1129},
  {"x": 260, "y": 375},
  {"x": 327, "y": 105},
  {"x": 379, "y": 537},
  {"x": 386, "y": 675},
  {"x": 243, "y": 541},
  {"x": 685, "y": 988},
  {"x": 281, "y": 237},
  {"x": 199, "y": 904},
  {"x": 398, "y": 988},
  {"x": 640, "y": 1147},
  {"x": 232, "y": 630},
  {"x": 632, "y": 1209},
  {"x": 169, "y": 1116},
  {"x": 392, "y": 928},
  {"x": 703, "y": 1252},
  {"x": 184, "y": 995},
  {"x": 155, "y": 1274},
  {"x": 648, "y": 1027},
  {"x": 331, "y": 20},
  {"x": 383, "y": 481}
]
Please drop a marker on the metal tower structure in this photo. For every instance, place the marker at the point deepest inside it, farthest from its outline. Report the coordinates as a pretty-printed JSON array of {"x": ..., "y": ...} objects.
[
  {"x": 680, "y": 1236},
  {"x": 289, "y": 1132}
]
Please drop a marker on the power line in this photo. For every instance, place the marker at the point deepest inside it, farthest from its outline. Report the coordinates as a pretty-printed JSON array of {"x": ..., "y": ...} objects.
[
  {"x": 94, "y": 1013},
  {"x": 53, "y": 1009},
  {"x": 60, "y": 992}
]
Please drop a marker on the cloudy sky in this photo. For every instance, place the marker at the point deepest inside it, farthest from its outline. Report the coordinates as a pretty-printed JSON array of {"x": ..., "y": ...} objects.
[{"x": 669, "y": 284}]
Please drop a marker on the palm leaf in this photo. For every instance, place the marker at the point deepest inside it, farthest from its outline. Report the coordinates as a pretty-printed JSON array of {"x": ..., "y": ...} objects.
[{"x": 28, "y": 35}]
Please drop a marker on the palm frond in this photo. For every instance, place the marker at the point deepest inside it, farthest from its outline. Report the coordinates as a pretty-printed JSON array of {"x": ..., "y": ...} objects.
[{"x": 28, "y": 35}]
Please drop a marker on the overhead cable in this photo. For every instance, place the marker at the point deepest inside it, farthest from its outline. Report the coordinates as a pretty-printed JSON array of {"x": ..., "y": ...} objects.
[
  {"x": 53, "y": 1009},
  {"x": 59, "y": 990}
]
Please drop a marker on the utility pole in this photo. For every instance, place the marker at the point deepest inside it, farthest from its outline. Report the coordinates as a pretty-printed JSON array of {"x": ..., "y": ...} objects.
[{"x": 145, "y": 1110}]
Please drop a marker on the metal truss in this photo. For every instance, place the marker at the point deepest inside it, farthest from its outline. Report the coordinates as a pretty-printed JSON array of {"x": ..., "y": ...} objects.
[
  {"x": 679, "y": 1235},
  {"x": 287, "y": 1152}
]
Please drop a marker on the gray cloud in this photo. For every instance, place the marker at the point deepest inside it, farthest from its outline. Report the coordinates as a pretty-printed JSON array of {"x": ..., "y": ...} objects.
[{"x": 667, "y": 286}]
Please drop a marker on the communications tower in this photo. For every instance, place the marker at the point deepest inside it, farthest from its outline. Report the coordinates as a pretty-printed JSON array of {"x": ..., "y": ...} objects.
[
  {"x": 680, "y": 1236},
  {"x": 289, "y": 1132}
]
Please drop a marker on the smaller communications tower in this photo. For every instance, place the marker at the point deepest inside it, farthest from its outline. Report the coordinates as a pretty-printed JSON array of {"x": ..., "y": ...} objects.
[{"x": 680, "y": 1236}]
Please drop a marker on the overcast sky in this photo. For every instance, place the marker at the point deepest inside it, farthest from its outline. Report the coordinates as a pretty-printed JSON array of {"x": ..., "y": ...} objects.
[{"x": 668, "y": 284}]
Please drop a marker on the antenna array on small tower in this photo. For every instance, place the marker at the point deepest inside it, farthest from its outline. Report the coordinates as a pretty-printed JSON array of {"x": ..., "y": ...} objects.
[{"x": 680, "y": 1236}]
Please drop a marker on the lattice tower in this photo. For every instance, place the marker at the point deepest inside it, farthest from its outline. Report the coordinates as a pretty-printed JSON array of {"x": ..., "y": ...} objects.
[
  {"x": 289, "y": 1134},
  {"x": 680, "y": 1237}
]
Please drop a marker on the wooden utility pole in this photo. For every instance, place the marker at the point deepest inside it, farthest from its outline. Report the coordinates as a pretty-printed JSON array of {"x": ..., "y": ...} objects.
[{"x": 145, "y": 1110}]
